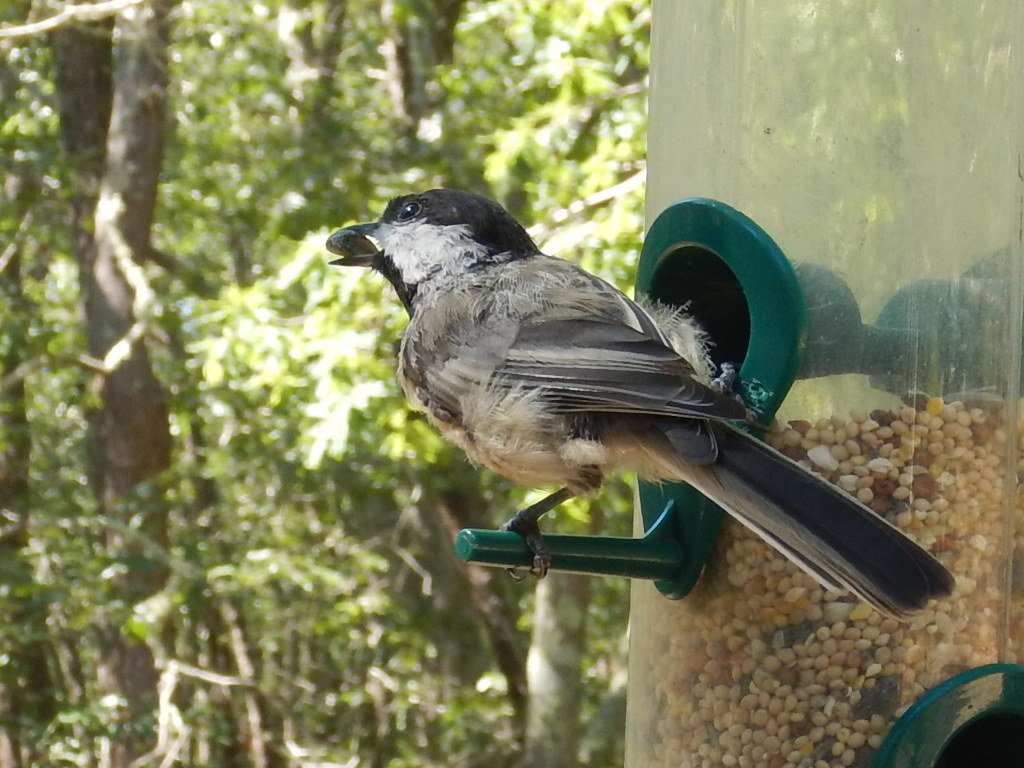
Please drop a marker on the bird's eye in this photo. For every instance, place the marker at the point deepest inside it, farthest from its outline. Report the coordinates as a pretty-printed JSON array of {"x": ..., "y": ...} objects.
[{"x": 409, "y": 210}]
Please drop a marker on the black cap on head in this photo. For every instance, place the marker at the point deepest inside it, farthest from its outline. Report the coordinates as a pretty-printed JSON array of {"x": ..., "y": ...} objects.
[{"x": 490, "y": 224}]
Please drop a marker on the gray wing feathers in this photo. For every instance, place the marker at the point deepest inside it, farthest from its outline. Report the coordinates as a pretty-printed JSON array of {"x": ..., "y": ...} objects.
[
  {"x": 616, "y": 360},
  {"x": 590, "y": 365}
]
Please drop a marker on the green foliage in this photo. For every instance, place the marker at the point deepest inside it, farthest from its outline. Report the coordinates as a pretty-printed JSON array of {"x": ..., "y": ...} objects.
[{"x": 302, "y": 500}]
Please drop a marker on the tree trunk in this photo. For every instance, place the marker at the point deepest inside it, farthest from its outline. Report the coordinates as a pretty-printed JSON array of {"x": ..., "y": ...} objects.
[
  {"x": 15, "y": 573},
  {"x": 603, "y": 739},
  {"x": 415, "y": 45},
  {"x": 112, "y": 103},
  {"x": 15, "y": 447},
  {"x": 26, "y": 688},
  {"x": 252, "y": 719},
  {"x": 553, "y": 671},
  {"x": 495, "y": 613}
]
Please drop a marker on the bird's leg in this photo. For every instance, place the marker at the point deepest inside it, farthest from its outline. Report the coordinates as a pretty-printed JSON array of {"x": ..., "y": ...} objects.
[{"x": 524, "y": 522}]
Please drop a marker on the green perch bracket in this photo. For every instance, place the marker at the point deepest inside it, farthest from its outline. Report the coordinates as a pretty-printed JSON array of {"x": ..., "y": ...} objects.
[{"x": 718, "y": 266}]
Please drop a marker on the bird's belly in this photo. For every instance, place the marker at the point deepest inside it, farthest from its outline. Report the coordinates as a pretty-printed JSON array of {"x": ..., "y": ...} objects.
[{"x": 512, "y": 434}]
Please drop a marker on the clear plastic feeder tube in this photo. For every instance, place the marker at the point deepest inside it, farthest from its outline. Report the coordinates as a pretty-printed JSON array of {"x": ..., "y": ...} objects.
[{"x": 879, "y": 144}]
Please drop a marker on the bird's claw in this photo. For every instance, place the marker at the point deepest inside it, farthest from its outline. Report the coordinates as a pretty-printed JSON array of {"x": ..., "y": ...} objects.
[
  {"x": 530, "y": 531},
  {"x": 725, "y": 382},
  {"x": 725, "y": 379},
  {"x": 541, "y": 562}
]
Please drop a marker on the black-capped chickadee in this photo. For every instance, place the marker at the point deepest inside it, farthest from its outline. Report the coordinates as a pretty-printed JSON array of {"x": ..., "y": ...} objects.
[{"x": 552, "y": 377}]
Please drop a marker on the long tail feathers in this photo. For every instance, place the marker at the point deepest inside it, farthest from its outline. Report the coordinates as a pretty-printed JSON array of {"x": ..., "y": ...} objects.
[{"x": 830, "y": 535}]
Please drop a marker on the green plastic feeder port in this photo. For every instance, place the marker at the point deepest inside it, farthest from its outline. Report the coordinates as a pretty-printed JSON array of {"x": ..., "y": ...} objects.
[
  {"x": 973, "y": 720},
  {"x": 721, "y": 268},
  {"x": 717, "y": 265}
]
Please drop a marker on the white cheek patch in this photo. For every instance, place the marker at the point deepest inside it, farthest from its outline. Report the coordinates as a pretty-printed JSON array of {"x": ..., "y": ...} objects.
[{"x": 419, "y": 249}]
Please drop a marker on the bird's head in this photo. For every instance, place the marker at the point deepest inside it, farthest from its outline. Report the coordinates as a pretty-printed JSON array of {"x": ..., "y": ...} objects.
[{"x": 439, "y": 232}]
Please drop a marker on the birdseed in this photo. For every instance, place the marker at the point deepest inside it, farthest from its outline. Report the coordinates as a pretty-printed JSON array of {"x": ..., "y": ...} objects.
[{"x": 760, "y": 666}]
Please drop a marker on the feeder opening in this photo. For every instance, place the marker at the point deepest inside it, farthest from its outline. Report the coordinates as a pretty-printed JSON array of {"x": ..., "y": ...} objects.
[
  {"x": 992, "y": 739},
  {"x": 697, "y": 280}
]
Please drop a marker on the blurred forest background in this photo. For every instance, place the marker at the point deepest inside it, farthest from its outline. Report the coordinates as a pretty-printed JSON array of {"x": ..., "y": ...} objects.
[{"x": 224, "y": 537}]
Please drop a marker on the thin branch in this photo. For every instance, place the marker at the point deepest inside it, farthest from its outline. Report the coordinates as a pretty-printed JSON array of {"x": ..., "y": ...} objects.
[
  {"x": 14, "y": 376},
  {"x": 12, "y": 532},
  {"x": 600, "y": 197},
  {"x": 216, "y": 678},
  {"x": 243, "y": 662},
  {"x": 171, "y": 729},
  {"x": 543, "y": 230},
  {"x": 147, "y": 544},
  {"x": 17, "y": 239},
  {"x": 428, "y": 583},
  {"x": 114, "y": 358},
  {"x": 70, "y": 13}
]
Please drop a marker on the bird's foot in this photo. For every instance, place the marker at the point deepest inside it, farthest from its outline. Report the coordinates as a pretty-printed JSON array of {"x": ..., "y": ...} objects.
[
  {"x": 725, "y": 379},
  {"x": 530, "y": 531},
  {"x": 524, "y": 522},
  {"x": 724, "y": 383}
]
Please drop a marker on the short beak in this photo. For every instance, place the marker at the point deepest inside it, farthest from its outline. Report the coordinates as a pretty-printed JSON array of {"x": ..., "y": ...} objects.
[{"x": 354, "y": 246}]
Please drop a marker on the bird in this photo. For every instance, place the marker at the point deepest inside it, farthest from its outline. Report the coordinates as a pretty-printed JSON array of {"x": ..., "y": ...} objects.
[{"x": 552, "y": 377}]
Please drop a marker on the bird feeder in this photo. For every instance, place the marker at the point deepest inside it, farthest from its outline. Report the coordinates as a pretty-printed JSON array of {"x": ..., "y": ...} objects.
[{"x": 878, "y": 145}]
